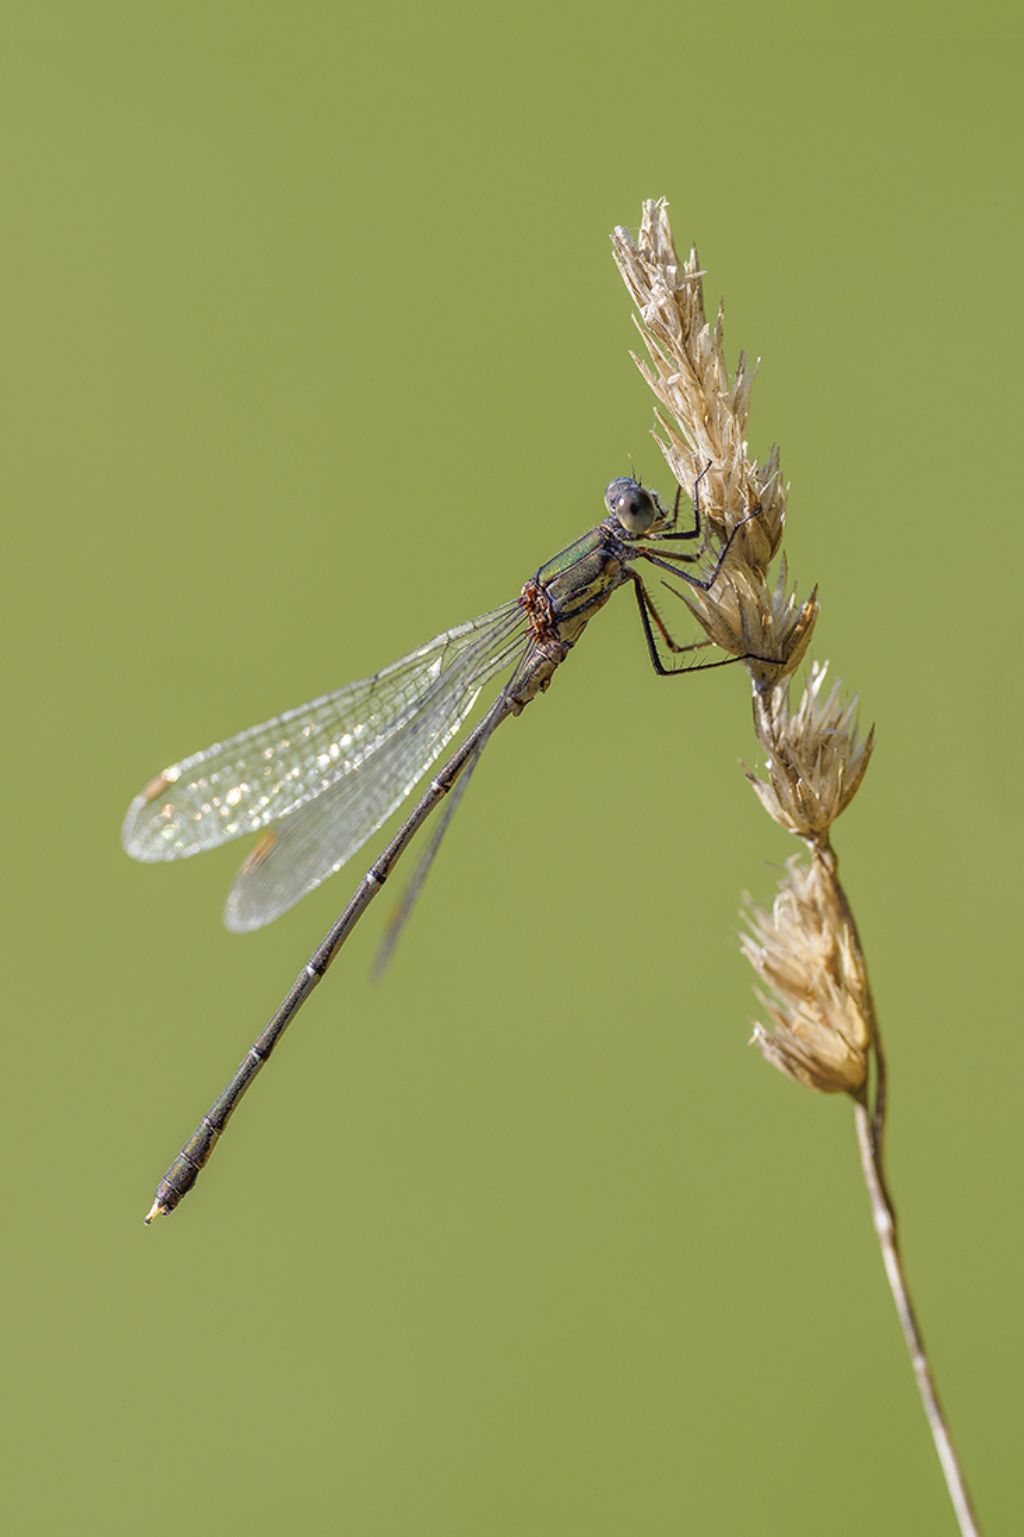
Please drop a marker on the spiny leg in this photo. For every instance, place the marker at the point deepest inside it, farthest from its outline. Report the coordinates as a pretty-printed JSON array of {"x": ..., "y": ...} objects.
[
  {"x": 650, "y": 609},
  {"x": 645, "y": 603}
]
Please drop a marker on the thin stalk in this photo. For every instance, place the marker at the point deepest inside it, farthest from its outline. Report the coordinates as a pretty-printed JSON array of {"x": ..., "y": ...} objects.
[
  {"x": 884, "y": 1217},
  {"x": 870, "y": 1119}
]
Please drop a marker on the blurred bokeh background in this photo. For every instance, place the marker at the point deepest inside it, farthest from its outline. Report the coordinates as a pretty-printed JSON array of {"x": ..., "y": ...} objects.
[{"x": 313, "y": 346}]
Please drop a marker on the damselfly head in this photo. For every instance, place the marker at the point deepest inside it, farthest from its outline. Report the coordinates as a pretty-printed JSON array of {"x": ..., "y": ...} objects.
[{"x": 635, "y": 508}]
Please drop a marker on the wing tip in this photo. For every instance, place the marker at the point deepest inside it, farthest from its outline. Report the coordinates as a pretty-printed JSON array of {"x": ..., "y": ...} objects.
[
  {"x": 238, "y": 922},
  {"x": 238, "y": 916},
  {"x": 133, "y": 840},
  {"x": 136, "y": 832}
]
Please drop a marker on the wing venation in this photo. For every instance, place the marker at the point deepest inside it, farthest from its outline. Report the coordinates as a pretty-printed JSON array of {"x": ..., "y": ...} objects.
[{"x": 272, "y": 770}]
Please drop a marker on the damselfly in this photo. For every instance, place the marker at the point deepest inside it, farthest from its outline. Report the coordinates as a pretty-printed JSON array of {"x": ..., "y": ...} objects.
[{"x": 323, "y": 778}]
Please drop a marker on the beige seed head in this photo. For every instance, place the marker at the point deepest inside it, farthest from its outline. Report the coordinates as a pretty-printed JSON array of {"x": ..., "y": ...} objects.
[
  {"x": 817, "y": 757},
  {"x": 815, "y": 985}
]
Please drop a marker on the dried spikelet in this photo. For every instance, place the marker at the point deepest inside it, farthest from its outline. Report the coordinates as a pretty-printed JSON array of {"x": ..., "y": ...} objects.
[
  {"x": 817, "y": 758},
  {"x": 816, "y": 987}
]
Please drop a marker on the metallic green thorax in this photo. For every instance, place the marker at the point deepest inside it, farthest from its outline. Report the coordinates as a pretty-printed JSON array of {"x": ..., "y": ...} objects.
[{"x": 560, "y": 601}]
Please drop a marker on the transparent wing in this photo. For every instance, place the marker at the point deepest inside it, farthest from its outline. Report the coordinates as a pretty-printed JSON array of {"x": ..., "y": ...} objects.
[
  {"x": 313, "y": 842},
  {"x": 273, "y": 770},
  {"x": 400, "y": 915}
]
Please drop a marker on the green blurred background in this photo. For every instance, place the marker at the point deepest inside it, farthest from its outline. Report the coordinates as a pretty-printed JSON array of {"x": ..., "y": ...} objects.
[{"x": 313, "y": 346}]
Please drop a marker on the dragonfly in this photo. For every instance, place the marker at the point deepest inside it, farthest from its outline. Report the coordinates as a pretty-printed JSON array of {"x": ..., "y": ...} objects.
[{"x": 319, "y": 780}]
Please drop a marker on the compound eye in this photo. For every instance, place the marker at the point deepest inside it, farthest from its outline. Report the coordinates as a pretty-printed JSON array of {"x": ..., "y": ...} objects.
[{"x": 633, "y": 506}]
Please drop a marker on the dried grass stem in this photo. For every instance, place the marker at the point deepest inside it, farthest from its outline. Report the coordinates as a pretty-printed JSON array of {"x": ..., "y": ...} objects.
[{"x": 822, "y": 1027}]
